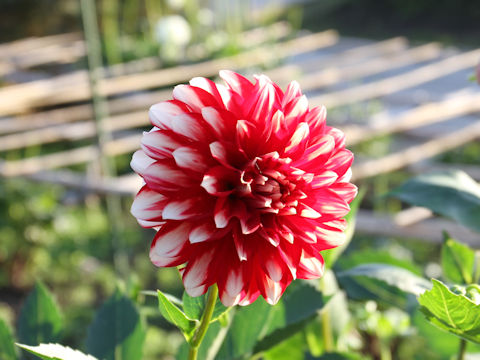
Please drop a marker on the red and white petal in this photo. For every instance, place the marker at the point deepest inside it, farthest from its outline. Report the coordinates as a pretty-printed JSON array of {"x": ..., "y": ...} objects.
[
  {"x": 310, "y": 267},
  {"x": 159, "y": 144},
  {"x": 148, "y": 205},
  {"x": 316, "y": 119},
  {"x": 328, "y": 202},
  {"x": 140, "y": 162},
  {"x": 297, "y": 108},
  {"x": 316, "y": 154},
  {"x": 191, "y": 126},
  {"x": 227, "y": 154},
  {"x": 197, "y": 272},
  {"x": 166, "y": 176},
  {"x": 345, "y": 190},
  {"x": 161, "y": 114},
  {"x": 323, "y": 179},
  {"x": 192, "y": 207},
  {"x": 261, "y": 101},
  {"x": 194, "y": 97},
  {"x": 298, "y": 142},
  {"x": 206, "y": 231},
  {"x": 219, "y": 181},
  {"x": 207, "y": 85},
  {"x": 271, "y": 290},
  {"x": 230, "y": 295},
  {"x": 188, "y": 157},
  {"x": 222, "y": 122},
  {"x": 337, "y": 134},
  {"x": 237, "y": 83},
  {"x": 340, "y": 162},
  {"x": 168, "y": 243},
  {"x": 293, "y": 91}
]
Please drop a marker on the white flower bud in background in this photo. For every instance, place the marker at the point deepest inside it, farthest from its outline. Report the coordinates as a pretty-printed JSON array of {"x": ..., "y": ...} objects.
[
  {"x": 173, "y": 30},
  {"x": 173, "y": 33}
]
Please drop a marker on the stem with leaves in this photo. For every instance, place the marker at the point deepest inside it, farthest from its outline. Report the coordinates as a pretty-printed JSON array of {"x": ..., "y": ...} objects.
[{"x": 204, "y": 322}]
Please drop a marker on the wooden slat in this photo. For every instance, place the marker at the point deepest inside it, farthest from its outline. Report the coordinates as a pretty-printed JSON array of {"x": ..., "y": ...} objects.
[
  {"x": 416, "y": 153},
  {"x": 74, "y": 87},
  {"x": 335, "y": 74},
  {"x": 370, "y": 223},
  {"x": 403, "y": 81}
]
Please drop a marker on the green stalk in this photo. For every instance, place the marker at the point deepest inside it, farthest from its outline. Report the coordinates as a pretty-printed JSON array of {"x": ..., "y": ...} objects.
[
  {"x": 328, "y": 341},
  {"x": 100, "y": 110},
  {"x": 385, "y": 352},
  {"x": 111, "y": 32},
  {"x": 462, "y": 349},
  {"x": 204, "y": 322}
]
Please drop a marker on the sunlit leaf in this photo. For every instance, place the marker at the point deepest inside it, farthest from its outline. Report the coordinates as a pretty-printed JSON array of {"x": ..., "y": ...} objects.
[
  {"x": 117, "y": 333},
  {"x": 452, "y": 312},
  {"x": 391, "y": 275},
  {"x": 56, "y": 352},
  {"x": 40, "y": 320},
  {"x": 458, "y": 261},
  {"x": 449, "y": 193},
  {"x": 175, "y": 316}
]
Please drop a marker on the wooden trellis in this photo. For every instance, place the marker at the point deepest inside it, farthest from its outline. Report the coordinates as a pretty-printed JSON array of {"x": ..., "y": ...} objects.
[{"x": 412, "y": 84}]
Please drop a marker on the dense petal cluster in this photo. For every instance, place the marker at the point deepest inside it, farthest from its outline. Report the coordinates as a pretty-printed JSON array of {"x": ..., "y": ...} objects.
[{"x": 245, "y": 184}]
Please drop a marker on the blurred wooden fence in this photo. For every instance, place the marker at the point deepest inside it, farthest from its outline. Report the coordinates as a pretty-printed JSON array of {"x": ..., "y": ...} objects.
[{"x": 422, "y": 91}]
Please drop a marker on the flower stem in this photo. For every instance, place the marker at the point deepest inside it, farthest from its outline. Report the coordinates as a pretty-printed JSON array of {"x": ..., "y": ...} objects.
[
  {"x": 204, "y": 322},
  {"x": 461, "y": 350},
  {"x": 328, "y": 342}
]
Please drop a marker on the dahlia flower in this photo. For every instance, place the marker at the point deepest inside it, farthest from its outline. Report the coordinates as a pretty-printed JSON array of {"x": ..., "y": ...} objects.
[{"x": 245, "y": 184}]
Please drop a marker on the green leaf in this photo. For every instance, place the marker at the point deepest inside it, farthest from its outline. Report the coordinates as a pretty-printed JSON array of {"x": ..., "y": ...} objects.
[
  {"x": 194, "y": 306},
  {"x": 117, "y": 332},
  {"x": 7, "y": 350},
  {"x": 450, "y": 193},
  {"x": 175, "y": 316},
  {"x": 260, "y": 326},
  {"x": 359, "y": 257},
  {"x": 40, "y": 320},
  {"x": 291, "y": 349},
  {"x": 400, "y": 278},
  {"x": 454, "y": 313},
  {"x": 331, "y": 255},
  {"x": 458, "y": 261},
  {"x": 249, "y": 324},
  {"x": 56, "y": 352}
]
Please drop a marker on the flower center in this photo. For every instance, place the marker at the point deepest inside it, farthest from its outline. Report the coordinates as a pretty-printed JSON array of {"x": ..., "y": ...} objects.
[{"x": 273, "y": 186}]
